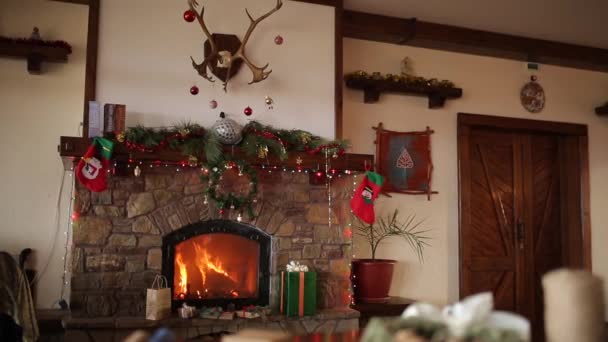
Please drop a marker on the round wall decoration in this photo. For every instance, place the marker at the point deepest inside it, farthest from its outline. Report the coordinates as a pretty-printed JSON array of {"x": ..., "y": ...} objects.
[{"x": 532, "y": 96}]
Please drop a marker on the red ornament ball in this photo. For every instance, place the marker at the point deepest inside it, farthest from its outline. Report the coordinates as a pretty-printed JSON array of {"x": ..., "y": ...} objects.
[
  {"x": 194, "y": 90},
  {"x": 248, "y": 111},
  {"x": 212, "y": 104},
  {"x": 278, "y": 40},
  {"x": 189, "y": 16}
]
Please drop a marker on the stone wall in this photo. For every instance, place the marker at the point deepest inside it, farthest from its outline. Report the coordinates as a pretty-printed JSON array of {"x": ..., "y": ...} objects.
[{"x": 118, "y": 237}]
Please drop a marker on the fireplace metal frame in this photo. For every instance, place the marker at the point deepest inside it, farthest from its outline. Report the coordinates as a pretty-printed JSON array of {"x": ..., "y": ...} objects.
[{"x": 220, "y": 226}]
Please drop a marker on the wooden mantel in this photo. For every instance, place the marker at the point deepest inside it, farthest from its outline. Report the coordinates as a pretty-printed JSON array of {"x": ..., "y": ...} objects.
[{"x": 72, "y": 148}]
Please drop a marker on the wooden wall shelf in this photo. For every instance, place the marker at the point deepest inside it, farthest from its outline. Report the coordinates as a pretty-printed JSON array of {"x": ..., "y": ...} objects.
[
  {"x": 602, "y": 111},
  {"x": 373, "y": 88},
  {"x": 72, "y": 148},
  {"x": 34, "y": 54}
]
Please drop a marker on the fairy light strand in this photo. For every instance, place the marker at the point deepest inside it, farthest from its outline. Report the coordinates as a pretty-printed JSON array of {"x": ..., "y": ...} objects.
[{"x": 66, "y": 248}]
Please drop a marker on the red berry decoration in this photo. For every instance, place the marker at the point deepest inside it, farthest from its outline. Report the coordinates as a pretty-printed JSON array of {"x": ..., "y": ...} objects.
[
  {"x": 248, "y": 111},
  {"x": 194, "y": 90},
  {"x": 189, "y": 16},
  {"x": 278, "y": 40}
]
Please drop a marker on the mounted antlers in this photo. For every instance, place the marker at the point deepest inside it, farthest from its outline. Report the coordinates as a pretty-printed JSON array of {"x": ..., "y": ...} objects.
[{"x": 225, "y": 59}]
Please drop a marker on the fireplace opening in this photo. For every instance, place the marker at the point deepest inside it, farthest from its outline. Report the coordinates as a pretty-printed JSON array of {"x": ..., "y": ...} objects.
[
  {"x": 217, "y": 263},
  {"x": 208, "y": 267}
]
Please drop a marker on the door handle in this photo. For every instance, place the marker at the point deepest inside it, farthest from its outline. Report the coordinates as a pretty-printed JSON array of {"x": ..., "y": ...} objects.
[{"x": 520, "y": 233}]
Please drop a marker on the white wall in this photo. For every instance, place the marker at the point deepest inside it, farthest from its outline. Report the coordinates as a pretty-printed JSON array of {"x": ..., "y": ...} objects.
[
  {"x": 35, "y": 111},
  {"x": 491, "y": 86},
  {"x": 144, "y": 62}
]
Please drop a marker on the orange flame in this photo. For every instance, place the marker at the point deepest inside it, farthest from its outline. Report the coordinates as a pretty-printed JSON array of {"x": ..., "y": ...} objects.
[
  {"x": 182, "y": 286},
  {"x": 204, "y": 263}
]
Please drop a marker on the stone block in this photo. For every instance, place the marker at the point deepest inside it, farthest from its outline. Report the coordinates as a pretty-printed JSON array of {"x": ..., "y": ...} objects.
[
  {"x": 326, "y": 327},
  {"x": 319, "y": 195},
  {"x": 101, "y": 305},
  {"x": 301, "y": 196},
  {"x": 77, "y": 260},
  {"x": 91, "y": 230},
  {"x": 103, "y": 197},
  {"x": 332, "y": 251},
  {"x": 125, "y": 240},
  {"x": 82, "y": 202},
  {"x": 282, "y": 260},
  {"x": 295, "y": 255},
  {"x": 140, "y": 203},
  {"x": 144, "y": 224},
  {"x": 155, "y": 181},
  {"x": 154, "y": 259},
  {"x": 321, "y": 265},
  {"x": 108, "y": 210},
  {"x": 188, "y": 200},
  {"x": 164, "y": 197},
  {"x": 194, "y": 189},
  {"x": 104, "y": 262},
  {"x": 318, "y": 213},
  {"x": 150, "y": 241},
  {"x": 175, "y": 222},
  {"x": 111, "y": 280},
  {"x": 285, "y": 243},
  {"x": 86, "y": 281},
  {"x": 311, "y": 251},
  {"x": 142, "y": 280},
  {"x": 326, "y": 234},
  {"x": 286, "y": 229},
  {"x": 119, "y": 196},
  {"x": 302, "y": 237},
  {"x": 339, "y": 267},
  {"x": 135, "y": 263}
]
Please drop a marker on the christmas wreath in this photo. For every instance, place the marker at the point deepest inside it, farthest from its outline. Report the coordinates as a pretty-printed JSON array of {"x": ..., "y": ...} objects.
[{"x": 214, "y": 174}]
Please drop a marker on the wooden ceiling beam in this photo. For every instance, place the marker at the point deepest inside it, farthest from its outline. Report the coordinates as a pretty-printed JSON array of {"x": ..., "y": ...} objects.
[
  {"x": 81, "y": 2},
  {"x": 458, "y": 39}
]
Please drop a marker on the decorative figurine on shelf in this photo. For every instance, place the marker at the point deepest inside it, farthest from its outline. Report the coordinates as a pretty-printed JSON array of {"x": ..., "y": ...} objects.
[
  {"x": 406, "y": 66},
  {"x": 225, "y": 53},
  {"x": 35, "y": 34}
]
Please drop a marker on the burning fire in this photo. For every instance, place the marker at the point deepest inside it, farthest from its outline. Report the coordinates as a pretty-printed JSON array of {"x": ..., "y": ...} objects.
[
  {"x": 203, "y": 269},
  {"x": 204, "y": 263},
  {"x": 182, "y": 286}
]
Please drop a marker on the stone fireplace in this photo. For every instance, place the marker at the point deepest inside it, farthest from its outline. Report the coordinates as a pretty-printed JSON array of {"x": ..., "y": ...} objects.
[{"x": 136, "y": 229}]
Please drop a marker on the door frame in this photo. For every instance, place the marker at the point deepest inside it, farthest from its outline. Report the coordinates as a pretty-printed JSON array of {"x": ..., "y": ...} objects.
[{"x": 576, "y": 133}]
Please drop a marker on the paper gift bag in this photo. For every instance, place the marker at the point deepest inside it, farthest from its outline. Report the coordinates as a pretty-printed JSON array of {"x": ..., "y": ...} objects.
[
  {"x": 298, "y": 293},
  {"x": 158, "y": 299}
]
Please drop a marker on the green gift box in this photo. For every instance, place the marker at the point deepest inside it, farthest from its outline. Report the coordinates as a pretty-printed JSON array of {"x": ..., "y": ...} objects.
[{"x": 298, "y": 293}]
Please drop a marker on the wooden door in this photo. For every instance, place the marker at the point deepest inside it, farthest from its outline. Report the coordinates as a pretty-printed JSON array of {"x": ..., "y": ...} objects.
[
  {"x": 523, "y": 208},
  {"x": 489, "y": 183}
]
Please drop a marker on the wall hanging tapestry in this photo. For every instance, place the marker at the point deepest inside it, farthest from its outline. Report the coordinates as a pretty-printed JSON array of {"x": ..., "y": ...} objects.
[{"x": 404, "y": 158}]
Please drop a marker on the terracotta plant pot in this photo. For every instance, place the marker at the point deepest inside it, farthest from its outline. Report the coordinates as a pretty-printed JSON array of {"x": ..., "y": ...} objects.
[{"x": 372, "y": 279}]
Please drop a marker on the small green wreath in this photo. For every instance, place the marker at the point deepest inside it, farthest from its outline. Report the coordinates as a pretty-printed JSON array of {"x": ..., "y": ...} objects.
[{"x": 213, "y": 174}]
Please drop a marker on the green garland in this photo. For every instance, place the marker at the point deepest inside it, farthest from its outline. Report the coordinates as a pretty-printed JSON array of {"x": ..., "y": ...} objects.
[
  {"x": 411, "y": 80},
  {"x": 259, "y": 141},
  {"x": 213, "y": 175}
]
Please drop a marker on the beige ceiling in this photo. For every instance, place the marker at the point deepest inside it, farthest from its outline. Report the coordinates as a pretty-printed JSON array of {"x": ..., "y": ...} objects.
[{"x": 583, "y": 22}]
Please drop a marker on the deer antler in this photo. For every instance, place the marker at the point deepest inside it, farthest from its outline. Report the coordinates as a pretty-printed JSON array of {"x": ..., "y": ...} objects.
[
  {"x": 202, "y": 67},
  {"x": 258, "y": 72}
]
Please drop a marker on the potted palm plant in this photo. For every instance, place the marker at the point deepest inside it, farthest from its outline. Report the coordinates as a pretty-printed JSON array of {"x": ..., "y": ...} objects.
[{"x": 372, "y": 278}]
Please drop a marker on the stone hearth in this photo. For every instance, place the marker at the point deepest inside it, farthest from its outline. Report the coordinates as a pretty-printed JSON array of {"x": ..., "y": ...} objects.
[{"x": 117, "y": 239}]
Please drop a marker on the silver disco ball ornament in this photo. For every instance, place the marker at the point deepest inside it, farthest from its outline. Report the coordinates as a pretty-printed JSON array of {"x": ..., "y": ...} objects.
[{"x": 228, "y": 131}]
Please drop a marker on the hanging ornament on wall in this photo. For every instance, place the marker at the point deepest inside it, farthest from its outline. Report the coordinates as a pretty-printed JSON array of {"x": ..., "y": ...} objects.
[
  {"x": 194, "y": 90},
  {"x": 137, "y": 171},
  {"x": 278, "y": 40},
  {"x": 248, "y": 111},
  {"x": 532, "y": 96},
  {"x": 189, "y": 16},
  {"x": 269, "y": 102},
  {"x": 228, "y": 131},
  {"x": 212, "y": 104}
]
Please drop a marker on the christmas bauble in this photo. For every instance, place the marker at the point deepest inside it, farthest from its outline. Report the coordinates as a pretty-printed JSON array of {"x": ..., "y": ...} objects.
[
  {"x": 228, "y": 131},
  {"x": 248, "y": 111},
  {"x": 278, "y": 40},
  {"x": 212, "y": 104},
  {"x": 194, "y": 90},
  {"x": 189, "y": 16}
]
